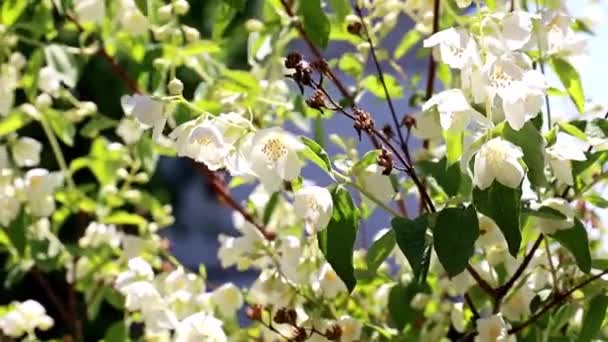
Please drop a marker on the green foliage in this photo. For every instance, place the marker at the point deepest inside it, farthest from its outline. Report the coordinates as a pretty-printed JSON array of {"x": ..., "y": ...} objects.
[
  {"x": 372, "y": 84},
  {"x": 503, "y": 205},
  {"x": 399, "y": 307},
  {"x": 412, "y": 239},
  {"x": 571, "y": 80},
  {"x": 380, "y": 250},
  {"x": 454, "y": 235},
  {"x": 594, "y": 316},
  {"x": 533, "y": 145},
  {"x": 338, "y": 239},
  {"x": 575, "y": 240},
  {"x": 315, "y": 22},
  {"x": 315, "y": 153}
]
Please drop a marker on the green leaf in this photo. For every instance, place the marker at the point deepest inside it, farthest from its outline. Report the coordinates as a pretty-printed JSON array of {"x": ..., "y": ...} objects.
[
  {"x": 412, "y": 239},
  {"x": 533, "y": 145},
  {"x": 13, "y": 121},
  {"x": 407, "y": 42},
  {"x": 11, "y": 10},
  {"x": 372, "y": 84},
  {"x": 575, "y": 240},
  {"x": 337, "y": 241},
  {"x": 399, "y": 307},
  {"x": 573, "y": 130},
  {"x": 63, "y": 128},
  {"x": 98, "y": 123},
  {"x": 117, "y": 332},
  {"x": 380, "y": 250},
  {"x": 125, "y": 218},
  {"x": 454, "y": 236},
  {"x": 315, "y": 153},
  {"x": 341, "y": 8},
  {"x": 571, "y": 81},
  {"x": 597, "y": 200},
  {"x": 368, "y": 159},
  {"x": 269, "y": 209},
  {"x": 594, "y": 316},
  {"x": 449, "y": 178},
  {"x": 503, "y": 205},
  {"x": 453, "y": 141},
  {"x": 544, "y": 212},
  {"x": 16, "y": 231},
  {"x": 144, "y": 149},
  {"x": 315, "y": 22},
  {"x": 351, "y": 65}
]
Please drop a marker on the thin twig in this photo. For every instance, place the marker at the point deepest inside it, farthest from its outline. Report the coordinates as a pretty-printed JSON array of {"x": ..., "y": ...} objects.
[
  {"x": 471, "y": 305},
  {"x": 391, "y": 107},
  {"x": 555, "y": 301},
  {"x": 504, "y": 289},
  {"x": 432, "y": 66},
  {"x": 481, "y": 282},
  {"x": 551, "y": 266},
  {"x": 68, "y": 320}
]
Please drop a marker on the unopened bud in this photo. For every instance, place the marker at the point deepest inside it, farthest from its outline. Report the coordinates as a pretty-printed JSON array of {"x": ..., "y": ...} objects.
[
  {"x": 334, "y": 332},
  {"x": 17, "y": 60},
  {"x": 164, "y": 12},
  {"x": 286, "y": 316},
  {"x": 176, "y": 87},
  {"x": 181, "y": 7},
  {"x": 409, "y": 122},
  {"x": 191, "y": 34},
  {"x": 43, "y": 101},
  {"x": 254, "y": 25}
]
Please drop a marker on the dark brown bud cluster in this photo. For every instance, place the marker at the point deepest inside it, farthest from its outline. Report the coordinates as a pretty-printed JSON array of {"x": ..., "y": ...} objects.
[
  {"x": 286, "y": 316},
  {"x": 317, "y": 101},
  {"x": 303, "y": 70},
  {"x": 408, "y": 122},
  {"x": 300, "y": 334},
  {"x": 363, "y": 121},
  {"x": 387, "y": 130},
  {"x": 333, "y": 333},
  {"x": 385, "y": 160},
  {"x": 355, "y": 28}
]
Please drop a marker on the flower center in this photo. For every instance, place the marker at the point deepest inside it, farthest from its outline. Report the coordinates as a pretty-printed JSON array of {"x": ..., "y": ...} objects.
[
  {"x": 274, "y": 149},
  {"x": 500, "y": 79}
]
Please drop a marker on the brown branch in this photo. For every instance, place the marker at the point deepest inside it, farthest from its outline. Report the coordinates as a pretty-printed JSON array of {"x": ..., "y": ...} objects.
[
  {"x": 220, "y": 189},
  {"x": 471, "y": 305},
  {"x": 430, "y": 81},
  {"x": 557, "y": 300},
  {"x": 481, "y": 282},
  {"x": 380, "y": 73},
  {"x": 65, "y": 316},
  {"x": 504, "y": 289},
  {"x": 315, "y": 50}
]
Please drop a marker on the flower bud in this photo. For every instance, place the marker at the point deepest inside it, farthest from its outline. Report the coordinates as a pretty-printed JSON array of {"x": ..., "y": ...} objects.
[
  {"x": 254, "y": 312},
  {"x": 191, "y": 33},
  {"x": 164, "y": 12},
  {"x": 17, "y": 60},
  {"x": 175, "y": 87},
  {"x": 181, "y": 7},
  {"x": 254, "y": 25},
  {"x": 43, "y": 101}
]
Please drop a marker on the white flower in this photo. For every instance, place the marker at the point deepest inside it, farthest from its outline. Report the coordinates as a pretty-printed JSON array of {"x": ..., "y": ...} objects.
[
  {"x": 463, "y": 3},
  {"x": 557, "y": 36},
  {"x": 457, "y": 317},
  {"x": 39, "y": 188},
  {"x": 550, "y": 226},
  {"x": 202, "y": 142},
  {"x": 5, "y": 162},
  {"x": 566, "y": 149},
  {"x": 498, "y": 159},
  {"x": 508, "y": 31},
  {"x": 517, "y": 306},
  {"x": 98, "y": 234},
  {"x": 377, "y": 184},
  {"x": 129, "y": 130},
  {"x": 456, "y": 48},
  {"x": 26, "y": 152},
  {"x": 9, "y": 206},
  {"x": 455, "y": 112},
  {"x": 351, "y": 329},
  {"x": 200, "y": 327},
  {"x": 237, "y": 250},
  {"x": 25, "y": 318},
  {"x": 49, "y": 80},
  {"x": 491, "y": 329},
  {"x": 521, "y": 91},
  {"x": 328, "y": 283},
  {"x": 90, "y": 10},
  {"x": 228, "y": 299},
  {"x": 313, "y": 204},
  {"x": 274, "y": 157},
  {"x": 146, "y": 110},
  {"x": 132, "y": 19},
  {"x": 139, "y": 269},
  {"x": 141, "y": 295},
  {"x": 290, "y": 251}
]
